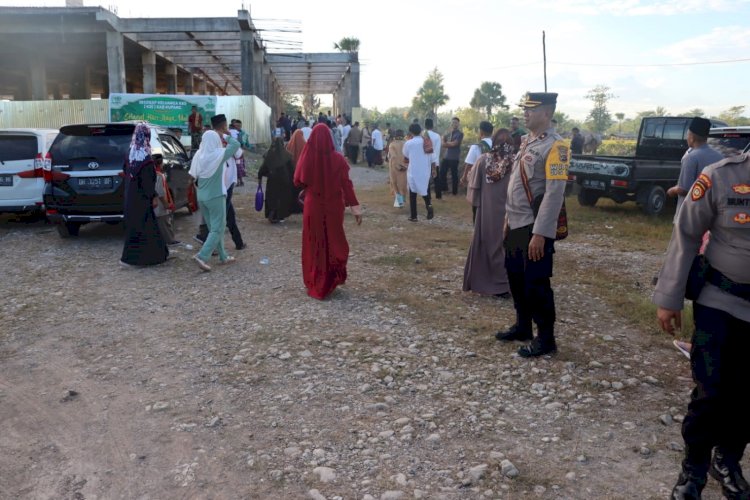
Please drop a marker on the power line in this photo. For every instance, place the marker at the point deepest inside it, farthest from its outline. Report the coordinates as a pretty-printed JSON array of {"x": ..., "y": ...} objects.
[
  {"x": 697, "y": 63},
  {"x": 598, "y": 65}
]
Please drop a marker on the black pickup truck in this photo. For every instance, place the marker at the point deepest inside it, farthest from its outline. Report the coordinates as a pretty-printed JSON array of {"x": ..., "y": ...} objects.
[{"x": 643, "y": 178}]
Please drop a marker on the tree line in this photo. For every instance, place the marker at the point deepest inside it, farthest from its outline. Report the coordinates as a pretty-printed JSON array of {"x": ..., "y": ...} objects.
[{"x": 490, "y": 103}]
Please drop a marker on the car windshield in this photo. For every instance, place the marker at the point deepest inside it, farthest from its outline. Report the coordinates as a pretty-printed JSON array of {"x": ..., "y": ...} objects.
[
  {"x": 17, "y": 147},
  {"x": 105, "y": 144},
  {"x": 730, "y": 144}
]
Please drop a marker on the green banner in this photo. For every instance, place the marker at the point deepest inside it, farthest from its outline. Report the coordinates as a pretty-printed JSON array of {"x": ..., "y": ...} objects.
[{"x": 170, "y": 111}]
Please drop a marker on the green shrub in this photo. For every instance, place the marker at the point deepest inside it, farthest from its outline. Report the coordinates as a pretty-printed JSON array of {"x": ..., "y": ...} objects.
[{"x": 617, "y": 147}]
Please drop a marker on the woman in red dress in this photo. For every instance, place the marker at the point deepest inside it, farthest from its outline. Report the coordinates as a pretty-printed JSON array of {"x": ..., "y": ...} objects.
[{"x": 324, "y": 175}]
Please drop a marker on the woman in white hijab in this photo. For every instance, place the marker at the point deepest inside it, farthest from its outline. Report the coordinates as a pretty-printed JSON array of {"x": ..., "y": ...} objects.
[{"x": 209, "y": 169}]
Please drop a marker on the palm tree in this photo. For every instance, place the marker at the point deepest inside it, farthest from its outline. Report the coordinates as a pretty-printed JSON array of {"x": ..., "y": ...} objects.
[
  {"x": 347, "y": 44},
  {"x": 431, "y": 95},
  {"x": 488, "y": 96}
]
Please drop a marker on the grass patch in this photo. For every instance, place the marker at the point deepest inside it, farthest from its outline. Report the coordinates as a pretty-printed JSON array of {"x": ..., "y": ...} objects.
[
  {"x": 632, "y": 304},
  {"x": 625, "y": 223},
  {"x": 432, "y": 286}
]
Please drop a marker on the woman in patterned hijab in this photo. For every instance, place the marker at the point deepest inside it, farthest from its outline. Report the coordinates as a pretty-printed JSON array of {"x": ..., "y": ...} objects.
[{"x": 144, "y": 244}]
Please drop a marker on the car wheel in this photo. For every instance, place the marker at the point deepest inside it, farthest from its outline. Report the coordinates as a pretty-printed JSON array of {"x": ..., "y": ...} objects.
[
  {"x": 588, "y": 197},
  {"x": 68, "y": 229},
  {"x": 655, "y": 201}
]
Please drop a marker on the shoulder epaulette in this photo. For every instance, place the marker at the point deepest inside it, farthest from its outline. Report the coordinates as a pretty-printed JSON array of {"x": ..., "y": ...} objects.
[{"x": 732, "y": 160}]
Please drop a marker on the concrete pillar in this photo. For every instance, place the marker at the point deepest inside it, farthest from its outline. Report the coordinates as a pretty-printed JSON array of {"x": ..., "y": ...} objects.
[
  {"x": 149, "y": 72},
  {"x": 348, "y": 90},
  {"x": 344, "y": 95},
  {"x": 267, "y": 88},
  {"x": 354, "y": 86},
  {"x": 202, "y": 87},
  {"x": 116, "y": 62},
  {"x": 38, "y": 77},
  {"x": 257, "y": 72},
  {"x": 171, "y": 73},
  {"x": 80, "y": 87},
  {"x": 276, "y": 106},
  {"x": 247, "y": 43},
  {"x": 189, "y": 85}
]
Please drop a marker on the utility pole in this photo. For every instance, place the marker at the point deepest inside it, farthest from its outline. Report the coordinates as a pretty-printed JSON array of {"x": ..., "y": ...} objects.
[{"x": 544, "y": 54}]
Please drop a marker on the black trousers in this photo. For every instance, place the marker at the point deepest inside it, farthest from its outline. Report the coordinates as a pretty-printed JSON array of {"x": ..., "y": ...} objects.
[
  {"x": 719, "y": 364},
  {"x": 232, "y": 220},
  {"x": 353, "y": 151},
  {"x": 413, "y": 202},
  {"x": 530, "y": 285},
  {"x": 441, "y": 185}
]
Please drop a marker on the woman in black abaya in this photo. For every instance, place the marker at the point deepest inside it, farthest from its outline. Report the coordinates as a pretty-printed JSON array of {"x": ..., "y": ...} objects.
[{"x": 144, "y": 244}]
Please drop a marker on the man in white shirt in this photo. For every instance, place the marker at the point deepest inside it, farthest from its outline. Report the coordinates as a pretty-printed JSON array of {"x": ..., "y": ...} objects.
[
  {"x": 475, "y": 151},
  {"x": 436, "y": 145},
  {"x": 377, "y": 145},
  {"x": 418, "y": 172},
  {"x": 306, "y": 130},
  {"x": 230, "y": 180}
]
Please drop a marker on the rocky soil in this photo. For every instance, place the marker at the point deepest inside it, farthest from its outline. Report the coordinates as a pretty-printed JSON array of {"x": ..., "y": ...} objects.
[{"x": 168, "y": 382}]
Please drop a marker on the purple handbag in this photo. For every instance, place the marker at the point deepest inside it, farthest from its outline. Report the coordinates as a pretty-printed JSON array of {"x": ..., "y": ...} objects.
[{"x": 259, "y": 198}]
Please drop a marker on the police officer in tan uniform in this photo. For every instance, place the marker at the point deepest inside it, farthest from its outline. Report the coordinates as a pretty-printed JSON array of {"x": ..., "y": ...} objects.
[
  {"x": 719, "y": 286},
  {"x": 535, "y": 195}
]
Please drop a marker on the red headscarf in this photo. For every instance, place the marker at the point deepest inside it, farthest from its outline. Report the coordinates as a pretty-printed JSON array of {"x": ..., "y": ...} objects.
[{"x": 319, "y": 164}]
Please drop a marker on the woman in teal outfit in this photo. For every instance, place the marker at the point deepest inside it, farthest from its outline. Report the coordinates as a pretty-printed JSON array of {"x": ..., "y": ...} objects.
[{"x": 209, "y": 170}]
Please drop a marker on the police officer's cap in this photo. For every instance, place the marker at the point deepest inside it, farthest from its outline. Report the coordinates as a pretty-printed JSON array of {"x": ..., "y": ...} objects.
[
  {"x": 536, "y": 99},
  {"x": 700, "y": 126}
]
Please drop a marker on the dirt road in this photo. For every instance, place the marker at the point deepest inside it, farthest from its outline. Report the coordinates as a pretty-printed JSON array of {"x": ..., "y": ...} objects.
[{"x": 173, "y": 383}]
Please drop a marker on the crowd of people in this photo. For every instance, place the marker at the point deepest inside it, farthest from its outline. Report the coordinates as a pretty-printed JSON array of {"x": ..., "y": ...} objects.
[{"x": 515, "y": 183}]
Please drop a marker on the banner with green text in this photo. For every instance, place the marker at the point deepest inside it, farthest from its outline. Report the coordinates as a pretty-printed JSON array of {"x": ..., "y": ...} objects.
[{"x": 170, "y": 111}]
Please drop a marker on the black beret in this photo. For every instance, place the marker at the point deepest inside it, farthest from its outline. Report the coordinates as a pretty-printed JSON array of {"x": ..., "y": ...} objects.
[
  {"x": 534, "y": 99},
  {"x": 700, "y": 126}
]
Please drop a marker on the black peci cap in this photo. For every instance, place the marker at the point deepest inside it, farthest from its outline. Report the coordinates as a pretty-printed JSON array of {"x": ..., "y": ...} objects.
[
  {"x": 535, "y": 99},
  {"x": 218, "y": 120},
  {"x": 700, "y": 126}
]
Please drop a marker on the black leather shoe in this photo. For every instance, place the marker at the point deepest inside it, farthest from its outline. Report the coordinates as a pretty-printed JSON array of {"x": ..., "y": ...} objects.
[
  {"x": 729, "y": 475},
  {"x": 537, "y": 348},
  {"x": 430, "y": 213},
  {"x": 514, "y": 333},
  {"x": 688, "y": 487}
]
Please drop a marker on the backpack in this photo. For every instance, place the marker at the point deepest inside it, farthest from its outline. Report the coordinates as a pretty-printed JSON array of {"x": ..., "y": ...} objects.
[
  {"x": 484, "y": 147},
  {"x": 428, "y": 147}
]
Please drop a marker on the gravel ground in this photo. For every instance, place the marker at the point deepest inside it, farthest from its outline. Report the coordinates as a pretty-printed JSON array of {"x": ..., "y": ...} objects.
[{"x": 168, "y": 382}]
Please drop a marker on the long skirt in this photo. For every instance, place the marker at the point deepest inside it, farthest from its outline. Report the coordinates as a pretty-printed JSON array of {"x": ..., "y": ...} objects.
[
  {"x": 325, "y": 250},
  {"x": 144, "y": 243},
  {"x": 241, "y": 170}
]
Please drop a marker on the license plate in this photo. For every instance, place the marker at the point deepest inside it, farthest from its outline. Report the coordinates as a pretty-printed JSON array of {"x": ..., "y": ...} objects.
[
  {"x": 594, "y": 184},
  {"x": 6, "y": 180},
  {"x": 95, "y": 183}
]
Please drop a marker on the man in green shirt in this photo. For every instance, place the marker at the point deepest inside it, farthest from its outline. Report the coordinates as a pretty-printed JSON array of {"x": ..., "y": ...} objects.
[{"x": 209, "y": 169}]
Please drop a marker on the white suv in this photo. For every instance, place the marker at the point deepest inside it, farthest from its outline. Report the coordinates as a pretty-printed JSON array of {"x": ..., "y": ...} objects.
[
  {"x": 730, "y": 141},
  {"x": 22, "y": 155}
]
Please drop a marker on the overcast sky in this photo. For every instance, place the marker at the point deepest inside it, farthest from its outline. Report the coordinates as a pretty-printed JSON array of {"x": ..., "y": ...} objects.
[{"x": 471, "y": 41}]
